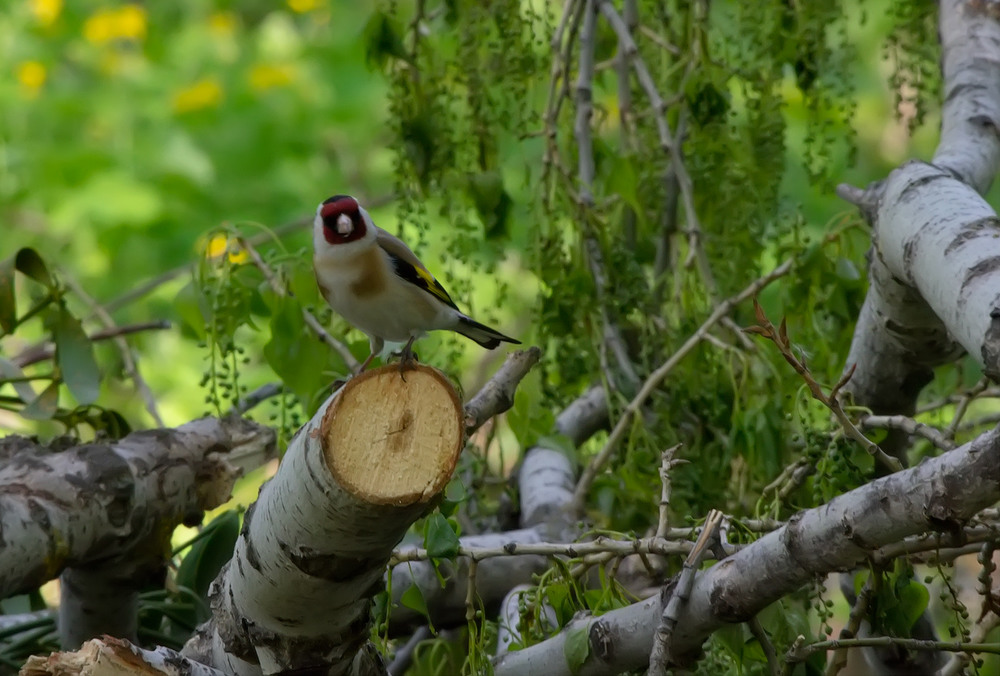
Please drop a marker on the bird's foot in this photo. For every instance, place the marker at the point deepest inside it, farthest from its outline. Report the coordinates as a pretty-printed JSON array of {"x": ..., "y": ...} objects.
[{"x": 407, "y": 359}]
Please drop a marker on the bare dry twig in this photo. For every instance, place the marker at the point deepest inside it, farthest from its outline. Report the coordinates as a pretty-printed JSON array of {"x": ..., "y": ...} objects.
[
  {"x": 656, "y": 377},
  {"x": 779, "y": 336},
  {"x": 659, "y": 657}
]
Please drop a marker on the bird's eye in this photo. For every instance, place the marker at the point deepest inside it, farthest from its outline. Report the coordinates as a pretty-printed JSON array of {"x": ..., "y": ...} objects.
[{"x": 344, "y": 225}]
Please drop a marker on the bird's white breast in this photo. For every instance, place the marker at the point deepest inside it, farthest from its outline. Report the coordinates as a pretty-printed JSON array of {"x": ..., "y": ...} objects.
[{"x": 364, "y": 289}]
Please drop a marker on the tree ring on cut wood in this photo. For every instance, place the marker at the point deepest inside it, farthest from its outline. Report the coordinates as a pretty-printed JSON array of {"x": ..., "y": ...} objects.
[{"x": 391, "y": 441}]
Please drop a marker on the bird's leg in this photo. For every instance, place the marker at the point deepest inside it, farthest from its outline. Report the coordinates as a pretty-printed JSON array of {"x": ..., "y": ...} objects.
[
  {"x": 406, "y": 357},
  {"x": 375, "y": 344},
  {"x": 368, "y": 361}
]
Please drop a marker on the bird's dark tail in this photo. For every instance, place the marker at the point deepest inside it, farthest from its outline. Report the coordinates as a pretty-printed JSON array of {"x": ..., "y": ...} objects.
[{"x": 482, "y": 334}]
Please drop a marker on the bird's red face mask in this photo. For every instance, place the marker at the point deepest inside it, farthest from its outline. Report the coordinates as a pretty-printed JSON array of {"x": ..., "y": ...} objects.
[{"x": 342, "y": 220}]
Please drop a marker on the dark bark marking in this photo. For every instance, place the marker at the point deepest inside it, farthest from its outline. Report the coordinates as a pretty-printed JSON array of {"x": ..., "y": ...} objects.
[
  {"x": 983, "y": 267},
  {"x": 972, "y": 230},
  {"x": 331, "y": 567},
  {"x": 991, "y": 346},
  {"x": 986, "y": 123},
  {"x": 910, "y": 250},
  {"x": 909, "y": 192},
  {"x": 602, "y": 644},
  {"x": 252, "y": 558},
  {"x": 961, "y": 89},
  {"x": 725, "y": 603}
]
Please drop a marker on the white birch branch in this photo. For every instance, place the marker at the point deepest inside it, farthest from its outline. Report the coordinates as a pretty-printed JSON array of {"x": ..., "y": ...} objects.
[
  {"x": 297, "y": 593},
  {"x": 935, "y": 272},
  {"x": 94, "y": 502},
  {"x": 939, "y": 494}
]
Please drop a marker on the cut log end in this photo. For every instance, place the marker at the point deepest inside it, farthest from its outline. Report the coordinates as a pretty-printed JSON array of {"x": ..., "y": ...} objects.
[{"x": 392, "y": 441}]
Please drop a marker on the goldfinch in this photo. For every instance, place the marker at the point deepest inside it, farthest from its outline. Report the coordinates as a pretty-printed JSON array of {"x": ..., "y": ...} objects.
[{"x": 375, "y": 282}]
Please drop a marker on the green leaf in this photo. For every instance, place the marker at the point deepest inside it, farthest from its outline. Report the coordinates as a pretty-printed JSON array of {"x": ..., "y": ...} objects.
[
  {"x": 846, "y": 269},
  {"x": 28, "y": 262},
  {"x": 45, "y": 405},
  {"x": 454, "y": 495},
  {"x": 9, "y": 369},
  {"x": 913, "y": 599},
  {"x": 75, "y": 357},
  {"x": 189, "y": 307},
  {"x": 440, "y": 539},
  {"x": 491, "y": 201},
  {"x": 8, "y": 304},
  {"x": 577, "y": 648},
  {"x": 296, "y": 354},
  {"x": 209, "y": 553},
  {"x": 413, "y": 599},
  {"x": 382, "y": 40}
]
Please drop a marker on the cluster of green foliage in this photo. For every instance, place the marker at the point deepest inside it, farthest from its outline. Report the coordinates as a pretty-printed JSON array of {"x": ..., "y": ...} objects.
[{"x": 175, "y": 142}]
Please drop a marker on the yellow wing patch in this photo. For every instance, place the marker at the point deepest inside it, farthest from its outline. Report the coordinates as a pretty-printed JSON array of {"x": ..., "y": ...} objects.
[{"x": 420, "y": 277}]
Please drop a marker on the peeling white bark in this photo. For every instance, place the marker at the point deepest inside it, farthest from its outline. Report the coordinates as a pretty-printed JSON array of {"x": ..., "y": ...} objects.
[
  {"x": 937, "y": 495},
  {"x": 106, "y": 511}
]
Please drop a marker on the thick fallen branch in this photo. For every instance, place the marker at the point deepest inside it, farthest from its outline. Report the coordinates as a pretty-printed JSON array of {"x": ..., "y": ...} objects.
[
  {"x": 313, "y": 549},
  {"x": 98, "y": 509},
  {"x": 109, "y": 656},
  {"x": 937, "y": 495}
]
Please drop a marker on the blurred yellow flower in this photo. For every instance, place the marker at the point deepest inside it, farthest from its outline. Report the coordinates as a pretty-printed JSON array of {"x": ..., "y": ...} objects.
[
  {"x": 220, "y": 244},
  {"x": 31, "y": 75},
  {"x": 264, "y": 76},
  {"x": 46, "y": 11},
  {"x": 303, "y": 6},
  {"x": 204, "y": 93},
  {"x": 222, "y": 23},
  {"x": 127, "y": 22}
]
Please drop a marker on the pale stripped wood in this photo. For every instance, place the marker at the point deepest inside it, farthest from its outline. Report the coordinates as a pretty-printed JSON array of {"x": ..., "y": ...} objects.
[{"x": 392, "y": 438}]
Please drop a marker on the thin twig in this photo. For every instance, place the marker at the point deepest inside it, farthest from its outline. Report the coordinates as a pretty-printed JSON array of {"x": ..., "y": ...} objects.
[
  {"x": 43, "y": 351},
  {"x": 858, "y": 612},
  {"x": 574, "y": 550},
  {"x": 667, "y": 463},
  {"x": 770, "y": 654},
  {"x": 667, "y": 141},
  {"x": 779, "y": 336},
  {"x": 261, "y": 394},
  {"x": 657, "y": 377},
  {"x": 910, "y": 426},
  {"x": 470, "y": 592},
  {"x": 497, "y": 395},
  {"x": 562, "y": 44},
  {"x": 799, "y": 653},
  {"x": 659, "y": 656},
  {"x": 963, "y": 406},
  {"x": 282, "y": 290},
  {"x": 117, "y": 333}
]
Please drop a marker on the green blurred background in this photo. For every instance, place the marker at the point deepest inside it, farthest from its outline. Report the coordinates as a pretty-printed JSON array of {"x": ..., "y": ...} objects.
[{"x": 129, "y": 132}]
